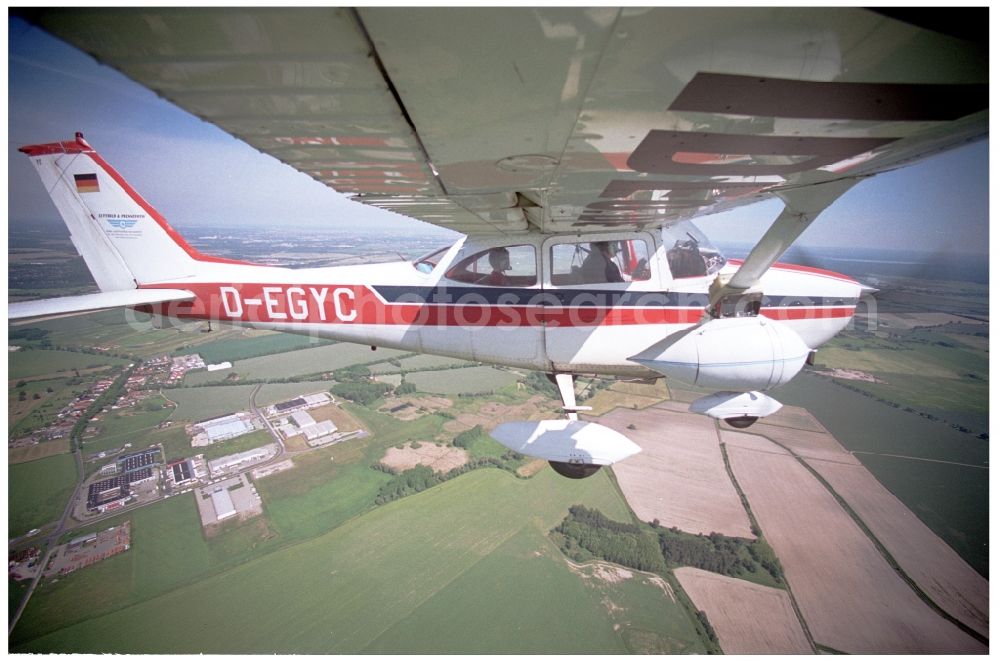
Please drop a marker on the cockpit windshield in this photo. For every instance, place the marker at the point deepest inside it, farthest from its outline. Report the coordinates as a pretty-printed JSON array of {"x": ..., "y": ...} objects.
[
  {"x": 427, "y": 263},
  {"x": 689, "y": 252}
]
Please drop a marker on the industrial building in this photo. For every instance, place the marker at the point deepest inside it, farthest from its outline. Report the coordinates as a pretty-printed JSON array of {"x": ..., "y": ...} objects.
[
  {"x": 227, "y": 463},
  {"x": 182, "y": 471},
  {"x": 108, "y": 494},
  {"x": 221, "y": 429},
  {"x": 138, "y": 460},
  {"x": 304, "y": 402},
  {"x": 223, "y": 504}
]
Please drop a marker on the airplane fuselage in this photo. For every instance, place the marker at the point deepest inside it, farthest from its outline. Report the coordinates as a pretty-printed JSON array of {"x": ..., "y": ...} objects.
[{"x": 547, "y": 326}]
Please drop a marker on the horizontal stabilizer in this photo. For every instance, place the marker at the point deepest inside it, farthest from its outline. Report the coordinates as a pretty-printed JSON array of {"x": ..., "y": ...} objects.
[{"x": 91, "y": 302}]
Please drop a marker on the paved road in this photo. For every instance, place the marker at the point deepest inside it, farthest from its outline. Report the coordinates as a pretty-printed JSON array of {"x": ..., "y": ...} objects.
[{"x": 50, "y": 541}]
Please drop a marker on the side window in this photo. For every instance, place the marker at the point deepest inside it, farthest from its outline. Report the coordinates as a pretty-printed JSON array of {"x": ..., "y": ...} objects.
[
  {"x": 600, "y": 262},
  {"x": 507, "y": 266}
]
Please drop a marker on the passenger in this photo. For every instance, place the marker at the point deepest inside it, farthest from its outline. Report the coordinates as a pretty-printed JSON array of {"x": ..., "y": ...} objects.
[
  {"x": 500, "y": 262},
  {"x": 598, "y": 266}
]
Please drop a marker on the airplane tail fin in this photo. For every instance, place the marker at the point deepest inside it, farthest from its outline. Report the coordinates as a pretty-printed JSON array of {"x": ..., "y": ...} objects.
[{"x": 124, "y": 241}]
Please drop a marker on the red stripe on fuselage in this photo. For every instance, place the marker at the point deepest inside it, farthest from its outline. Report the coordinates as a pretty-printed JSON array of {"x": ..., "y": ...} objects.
[{"x": 358, "y": 304}]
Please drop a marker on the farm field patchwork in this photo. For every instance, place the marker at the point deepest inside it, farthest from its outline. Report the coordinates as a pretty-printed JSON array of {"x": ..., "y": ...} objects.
[
  {"x": 296, "y": 363},
  {"x": 920, "y": 461},
  {"x": 857, "y": 604},
  {"x": 250, "y": 344},
  {"x": 364, "y": 577},
  {"x": 927, "y": 560},
  {"x": 679, "y": 477}
]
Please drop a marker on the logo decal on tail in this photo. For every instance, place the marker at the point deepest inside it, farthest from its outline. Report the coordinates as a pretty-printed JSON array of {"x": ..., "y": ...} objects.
[{"x": 86, "y": 183}]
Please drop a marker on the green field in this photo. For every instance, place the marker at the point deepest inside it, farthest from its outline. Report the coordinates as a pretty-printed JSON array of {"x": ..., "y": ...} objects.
[
  {"x": 923, "y": 369},
  {"x": 467, "y": 380},
  {"x": 254, "y": 439},
  {"x": 34, "y": 413},
  {"x": 127, "y": 332},
  {"x": 419, "y": 362},
  {"x": 296, "y": 363},
  {"x": 205, "y": 402},
  {"x": 38, "y": 491},
  {"x": 120, "y": 427},
  {"x": 36, "y": 362},
  {"x": 414, "y": 575},
  {"x": 240, "y": 348}
]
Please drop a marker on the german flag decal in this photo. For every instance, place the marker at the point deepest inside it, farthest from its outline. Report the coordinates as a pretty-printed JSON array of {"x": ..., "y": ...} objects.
[{"x": 86, "y": 183}]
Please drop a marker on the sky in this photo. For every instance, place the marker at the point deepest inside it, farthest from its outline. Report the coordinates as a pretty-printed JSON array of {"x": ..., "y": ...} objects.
[{"x": 195, "y": 174}]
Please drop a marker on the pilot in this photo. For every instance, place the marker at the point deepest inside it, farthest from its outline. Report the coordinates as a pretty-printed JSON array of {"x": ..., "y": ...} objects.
[
  {"x": 500, "y": 262},
  {"x": 685, "y": 260},
  {"x": 598, "y": 266}
]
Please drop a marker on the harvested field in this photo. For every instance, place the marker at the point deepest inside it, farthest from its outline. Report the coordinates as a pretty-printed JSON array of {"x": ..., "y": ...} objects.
[
  {"x": 933, "y": 565},
  {"x": 794, "y": 417},
  {"x": 442, "y": 459},
  {"x": 345, "y": 421},
  {"x": 850, "y": 597},
  {"x": 748, "y": 618},
  {"x": 679, "y": 477},
  {"x": 807, "y": 444},
  {"x": 680, "y": 407},
  {"x": 735, "y": 439}
]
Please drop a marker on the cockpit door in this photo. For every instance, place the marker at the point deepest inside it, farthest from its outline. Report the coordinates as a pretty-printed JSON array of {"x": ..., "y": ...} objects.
[{"x": 604, "y": 299}]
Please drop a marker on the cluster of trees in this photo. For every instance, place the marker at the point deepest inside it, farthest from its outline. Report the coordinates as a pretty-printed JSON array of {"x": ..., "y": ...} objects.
[
  {"x": 468, "y": 437},
  {"x": 405, "y": 388},
  {"x": 731, "y": 556},
  {"x": 361, "y": 392},
  {"x": 586, "y": 534},
  {"x": 28, "y": 334},
  {"x": 538, "y": 382}
]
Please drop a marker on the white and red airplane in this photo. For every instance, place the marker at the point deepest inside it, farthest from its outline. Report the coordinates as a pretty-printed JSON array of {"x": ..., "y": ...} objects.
[{"x": 573, "y": 166}]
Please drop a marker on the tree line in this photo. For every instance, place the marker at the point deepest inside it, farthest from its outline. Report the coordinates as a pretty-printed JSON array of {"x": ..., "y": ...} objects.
[
  {"x": 587, "y": 534},
  {"x": 421, "y": 477}
]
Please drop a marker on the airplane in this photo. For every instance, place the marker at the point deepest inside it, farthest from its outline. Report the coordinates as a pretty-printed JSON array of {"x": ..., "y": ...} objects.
[{"x": 570, "y": 147}]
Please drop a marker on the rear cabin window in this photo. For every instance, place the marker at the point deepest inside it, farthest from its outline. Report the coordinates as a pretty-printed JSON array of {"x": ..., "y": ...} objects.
[
  {"x": 598, "y": 262},
  {"x": 507, "y": 266}
]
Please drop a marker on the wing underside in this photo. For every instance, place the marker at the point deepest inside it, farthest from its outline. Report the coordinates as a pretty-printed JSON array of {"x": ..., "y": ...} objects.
[{"x": 557, "y": 119}]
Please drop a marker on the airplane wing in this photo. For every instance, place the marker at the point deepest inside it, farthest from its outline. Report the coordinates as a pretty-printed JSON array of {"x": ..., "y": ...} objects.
[
  {"x": 91, "y": 302},
  {"x": 566, "y": 119}
]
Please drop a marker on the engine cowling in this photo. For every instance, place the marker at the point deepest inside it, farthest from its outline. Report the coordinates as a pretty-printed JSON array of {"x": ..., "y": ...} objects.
[{"x": 740, "y": 353}]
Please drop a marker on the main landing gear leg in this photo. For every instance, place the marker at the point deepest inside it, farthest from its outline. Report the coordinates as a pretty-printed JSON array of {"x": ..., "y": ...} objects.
[{"x": 564, "y": 382}]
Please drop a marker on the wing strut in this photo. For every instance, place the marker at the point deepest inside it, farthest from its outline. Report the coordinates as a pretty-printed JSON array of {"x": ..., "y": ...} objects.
[{"x": 729, "y": 294}]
